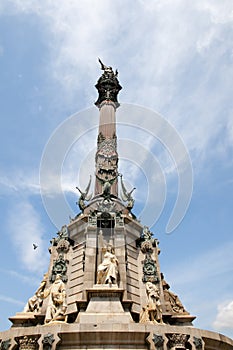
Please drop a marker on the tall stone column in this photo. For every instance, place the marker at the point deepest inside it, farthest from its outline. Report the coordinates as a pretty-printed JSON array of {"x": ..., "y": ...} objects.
[{"x": 106, "y": 156}]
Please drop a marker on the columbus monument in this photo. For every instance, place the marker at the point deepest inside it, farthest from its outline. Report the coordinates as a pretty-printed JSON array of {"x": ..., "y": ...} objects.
[{"x": 103, "y": 288}]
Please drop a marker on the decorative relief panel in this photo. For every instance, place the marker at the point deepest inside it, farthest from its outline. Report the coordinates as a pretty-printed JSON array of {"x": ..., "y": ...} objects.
[
  {"x": 177, "y": 341},
  {"x": 198, "y": 343},
  {"x": 48, "y": 341},
  {"x": 27, "y": 343},
  {"x": 59, "y": 268},
  {"x": 158, "y": 341},
  {"x": 5, "y": 344}
]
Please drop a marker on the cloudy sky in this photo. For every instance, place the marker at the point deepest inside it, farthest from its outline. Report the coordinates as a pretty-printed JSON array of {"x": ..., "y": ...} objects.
[{"x": 175, "y": 60}]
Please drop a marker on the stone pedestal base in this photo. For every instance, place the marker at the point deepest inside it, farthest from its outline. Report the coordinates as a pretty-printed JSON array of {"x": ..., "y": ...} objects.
[
  {"x": 115, "y": 336},
  {"x": 179, "y": 319},
  {"x": 23, "y": 318},
  {"x": 186, "y": 320},
  {"x": 104, "y": 306}
]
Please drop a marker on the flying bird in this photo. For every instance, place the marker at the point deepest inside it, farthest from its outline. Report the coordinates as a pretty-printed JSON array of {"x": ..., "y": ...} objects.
[{"x": 35, "y": 246}]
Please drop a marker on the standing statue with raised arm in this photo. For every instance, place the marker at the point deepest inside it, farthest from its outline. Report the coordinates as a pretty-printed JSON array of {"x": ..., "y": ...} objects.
[
  {"x": 107, "y": 70},
  {"x": 108, "y": 85}
]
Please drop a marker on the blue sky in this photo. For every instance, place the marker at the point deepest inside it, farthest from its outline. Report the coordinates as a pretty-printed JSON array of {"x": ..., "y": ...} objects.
[{"x": 173, "y": 57}]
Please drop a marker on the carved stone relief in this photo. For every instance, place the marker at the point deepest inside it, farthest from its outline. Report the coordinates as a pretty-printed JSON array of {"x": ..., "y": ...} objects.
[
  {"x": 59, "y": 268},
  {"x": 119, "y": 220},
  {"x": 5, "y": 344},
  {"x": 27, "y": 343},
  {"x": 63, "y": 246},
  {"x": 147, "y": 247},
  {"x": 149, "y": 270},
  {"x": 106, "y": 206},
  {"x": 150, "y": 273},
  {"x": 152, "y": 311},
  {"x": 158, "y": 341},
  {"x": 48, "y": 341},
  {"x": 106, "y": 163},
  {"x": 107, "y": 148},
  {"x": 177, "y": 340},
  {"x": 92, "y": 219},
  {"x": 61, "y": 235},
  {"x": 198, "y": 343}
]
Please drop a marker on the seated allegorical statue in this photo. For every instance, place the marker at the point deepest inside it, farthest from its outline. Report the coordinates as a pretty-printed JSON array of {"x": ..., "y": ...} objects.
[
  {"x": 107, "y": 271},
  {"x": 57, "y": 301},
  {"x": 172, "y": 301},
  {"x": 35, "y": 302}
]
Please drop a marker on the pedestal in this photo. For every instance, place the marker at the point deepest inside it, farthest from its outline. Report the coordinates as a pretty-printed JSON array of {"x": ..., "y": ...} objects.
[{"x": 104, "y": 306}]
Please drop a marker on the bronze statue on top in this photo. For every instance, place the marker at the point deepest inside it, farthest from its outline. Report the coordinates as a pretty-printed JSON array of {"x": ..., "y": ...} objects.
[
  {"x": 108, "y": 72},
  {"x": 108, "y": 85}
]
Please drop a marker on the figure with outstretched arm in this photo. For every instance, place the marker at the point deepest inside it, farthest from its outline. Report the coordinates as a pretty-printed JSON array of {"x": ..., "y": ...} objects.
[{"x": 107, "y": 70}]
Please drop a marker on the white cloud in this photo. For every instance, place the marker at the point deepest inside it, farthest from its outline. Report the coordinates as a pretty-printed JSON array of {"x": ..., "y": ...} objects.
[
  {"x": 219, "y": 12},
  {"x": 25, "y": 229},
  {"x": 180, "y": 63},
  {"x": 181, "y": 55},
  {"x": 224, "y": 318},
  {"x": 25, "y": 181}
]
